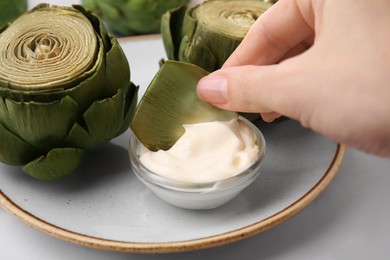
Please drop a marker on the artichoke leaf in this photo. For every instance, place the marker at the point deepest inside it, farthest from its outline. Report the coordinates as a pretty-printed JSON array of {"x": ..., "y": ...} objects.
[
  {"x": 170, "y": 102},
  {"x": 79, "y": 136},
  {"x": 93, "y": 86},
  {"x": 171, "y": 28},
  {"x": 15, "y": 151},
  {"x": 103, "y": 120},
  {"x": 114, "y": 61},
  {"x": 105, "y": 117},
  {"x": 43, "y": 125},
  {"x": 130, "y": 106},
  {"x": 57, "y": 164},
  {"x": 192, "y": 51}
]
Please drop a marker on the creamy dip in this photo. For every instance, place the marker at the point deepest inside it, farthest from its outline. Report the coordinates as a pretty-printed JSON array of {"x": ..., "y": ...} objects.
[{"x": 206, "y": 152}]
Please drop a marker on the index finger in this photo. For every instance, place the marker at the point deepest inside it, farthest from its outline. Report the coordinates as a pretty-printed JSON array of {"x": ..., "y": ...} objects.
[{"x": 276, "y": 32}]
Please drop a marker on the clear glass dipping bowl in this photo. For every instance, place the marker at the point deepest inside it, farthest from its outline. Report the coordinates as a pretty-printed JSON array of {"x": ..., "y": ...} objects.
[{"x": 190, "y": 195}]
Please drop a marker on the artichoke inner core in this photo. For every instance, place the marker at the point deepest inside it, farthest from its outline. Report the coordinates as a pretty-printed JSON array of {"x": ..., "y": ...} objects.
[
  {"x": 241, "y": 17},
  {"x": 41, "y": 48},
  {"x": 232, "y": 18},
  {"x": 47, "y": 49}
]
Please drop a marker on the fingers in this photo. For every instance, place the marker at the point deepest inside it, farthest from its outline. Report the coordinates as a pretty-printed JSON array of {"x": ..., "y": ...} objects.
[
  {"x": 228, "y": 89},
  {"x": 280, "y": 29},
  {"x": 271, "y": 90}
]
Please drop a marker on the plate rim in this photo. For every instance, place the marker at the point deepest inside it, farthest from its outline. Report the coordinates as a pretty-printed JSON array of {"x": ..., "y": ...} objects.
[{"x": 185, "y": 245}]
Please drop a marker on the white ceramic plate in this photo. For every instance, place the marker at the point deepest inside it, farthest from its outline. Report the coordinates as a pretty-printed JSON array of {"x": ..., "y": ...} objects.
[{"x": 103, "y": 204}]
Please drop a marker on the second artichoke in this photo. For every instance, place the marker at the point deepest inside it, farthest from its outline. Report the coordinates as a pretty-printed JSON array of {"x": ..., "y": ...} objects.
[{"x": 208, "y": 33}]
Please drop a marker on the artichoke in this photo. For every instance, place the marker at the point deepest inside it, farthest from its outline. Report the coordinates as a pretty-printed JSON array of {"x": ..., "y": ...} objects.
[
  {"x": 129, "y": 17},
  {"x": 10, "y": 9},
  {"x": 64, "y": 88},
  {"x": 171, "y": 101},
  {"x": 208, "y": 33}
]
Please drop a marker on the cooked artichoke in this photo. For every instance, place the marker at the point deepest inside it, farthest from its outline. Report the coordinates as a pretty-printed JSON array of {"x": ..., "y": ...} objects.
[
  {"x": 10, "y": 9},
  {"x": 64, "y": 88},
  {"x": 171, "y": 101},
  {"x": 208, "y": 33},
  {"x": 129, "y": 17}
]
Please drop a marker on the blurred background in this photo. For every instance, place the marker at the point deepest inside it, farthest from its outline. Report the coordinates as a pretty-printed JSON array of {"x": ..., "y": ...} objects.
[
  {"x": 125, "y": 17},
  {"x": 122, "y": 17}
]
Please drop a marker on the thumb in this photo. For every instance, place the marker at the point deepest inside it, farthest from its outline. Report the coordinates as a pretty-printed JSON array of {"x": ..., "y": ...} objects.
[{"x": 245, "y": 89}]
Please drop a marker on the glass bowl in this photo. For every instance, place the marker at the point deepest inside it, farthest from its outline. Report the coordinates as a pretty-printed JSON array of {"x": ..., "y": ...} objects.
[{"x": 190, "y": 195}]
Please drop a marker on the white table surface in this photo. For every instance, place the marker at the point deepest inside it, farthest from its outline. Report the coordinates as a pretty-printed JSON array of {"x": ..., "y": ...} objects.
[{"x": 350, "y": 220}]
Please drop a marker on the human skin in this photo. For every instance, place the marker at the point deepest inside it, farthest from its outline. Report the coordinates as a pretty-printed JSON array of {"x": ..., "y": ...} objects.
[{"x": 325, "y": 63}]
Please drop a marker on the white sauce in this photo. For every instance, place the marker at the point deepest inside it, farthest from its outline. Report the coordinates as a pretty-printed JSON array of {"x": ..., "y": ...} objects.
[{"x": 206, "y": 152}]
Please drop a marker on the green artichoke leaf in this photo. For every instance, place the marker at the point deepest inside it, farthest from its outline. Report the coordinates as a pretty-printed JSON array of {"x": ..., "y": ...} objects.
[
  {"x": 104, "y": 119},
  {"x": 43, "y": 125},
  {"x": 192, "y": 51},
  {"x": 78, "y": 135},
  {"x": 93, "y": 86},
  {"x": 117, "y": 69},
  {"x": 171, "y": 29},
  {"x": 189, "y": 24},
  {"x": 57, "y": 164},
  {"x": 171, "y": 24},
  {"x": 15, "y": 151},
  {"x": 171, "y": 101},
  {"x": 130, "y": 106}
]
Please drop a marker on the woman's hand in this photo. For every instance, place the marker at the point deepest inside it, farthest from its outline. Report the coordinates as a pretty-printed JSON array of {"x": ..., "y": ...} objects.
[{"x": 324, "y": 63}]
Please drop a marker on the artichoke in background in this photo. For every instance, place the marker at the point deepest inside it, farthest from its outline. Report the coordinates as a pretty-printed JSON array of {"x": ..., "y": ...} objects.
[
  {"x": 11, "y": 9},
  {"x": 130, "y": 17},
  {"x": 170, "y": 102},
  {"x": 64, "y": 88},
  {"x": 208, "y": 33}
]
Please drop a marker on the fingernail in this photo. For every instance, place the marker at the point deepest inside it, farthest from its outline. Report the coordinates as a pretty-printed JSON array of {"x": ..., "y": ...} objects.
[{"x": 213, "y": 89}]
